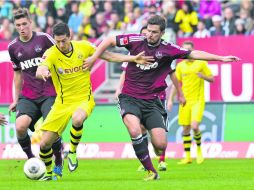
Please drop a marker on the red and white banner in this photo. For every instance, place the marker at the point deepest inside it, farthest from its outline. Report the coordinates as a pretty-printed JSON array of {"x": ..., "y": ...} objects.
[
  {"x": 233, "y": 81},
  {"x": 125, "y": 150}
]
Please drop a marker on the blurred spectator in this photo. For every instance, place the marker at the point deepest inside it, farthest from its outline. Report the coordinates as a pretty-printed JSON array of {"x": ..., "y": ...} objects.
[
  {"x": 60, "y": 4},
  {"x": 187, "y": 20},
  {"x": 248, "y": 6},
  {"x": 6, "y": 29},
  {"x": 216, "y": 29},
  {"x": 50, "y": 23},
  {"x": 245, "y": 16},
  {"x": 6, "y": 9},
  {"x": 115, "y": 23},
  {"x": 201, "y": 32},
  {"x": 229, "y": 22},
  {"x": 240, "y": 29},
  {"x": 100, "y": 24},
  {"x": 75, "y": 19},
  {"x": 108, "y": 9},
  {"x": 169, "y": 12},
  {"x": 61, "y": 16},
  {"x": 40, "y": 15},
  {"x": 207, "y": 9},
  {"x": 85, "y": 7},
  {"x": 85, "y": 30}
]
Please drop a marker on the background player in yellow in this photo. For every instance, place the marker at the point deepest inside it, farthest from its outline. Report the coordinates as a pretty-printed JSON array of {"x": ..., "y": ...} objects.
[
  {"x": 192, "y": 74},
  {"x": 63, "y": 63}
]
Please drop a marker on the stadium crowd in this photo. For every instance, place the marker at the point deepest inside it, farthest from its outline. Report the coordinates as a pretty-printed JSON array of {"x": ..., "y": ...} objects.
[{"x": 93, "y": 19}]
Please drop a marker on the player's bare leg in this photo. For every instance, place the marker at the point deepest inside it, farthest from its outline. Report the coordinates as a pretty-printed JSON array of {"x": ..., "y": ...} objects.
[
  {"x": 139, "y": 145},
  {"x": 22, "y": 124}
]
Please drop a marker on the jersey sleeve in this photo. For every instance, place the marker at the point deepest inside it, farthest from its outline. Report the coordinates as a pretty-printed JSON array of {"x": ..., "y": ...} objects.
[
  {"x": 47, "y": 59},
  {"x": 205, "y": 69},
  {"x": 178, "y": 52},
  {"x": 127, "y": 41},
  {"x": 14, "y": 61}
]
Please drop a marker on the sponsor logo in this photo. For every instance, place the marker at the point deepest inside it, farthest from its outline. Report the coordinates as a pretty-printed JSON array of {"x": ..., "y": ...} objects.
[
  {"x": 30, "y": 63},
  {"x": 148, "y": 66},
  {"x": 124, "y": 41},
  {"x": 70, "y": 70}
]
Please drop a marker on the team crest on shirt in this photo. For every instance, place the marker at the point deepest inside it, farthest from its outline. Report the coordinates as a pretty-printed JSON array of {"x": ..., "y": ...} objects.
[
  {"x": 158, "y": 54},
  {"x": 124, "y": 41},
  {"x": 19, "y": 54},
  {"x": 80, "y": 56},
  {"x": 38, "y": 48}
]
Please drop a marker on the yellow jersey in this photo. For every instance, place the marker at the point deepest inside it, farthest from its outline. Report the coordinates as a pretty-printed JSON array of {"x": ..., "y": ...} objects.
[
  {"x": 192, "y": 85},
  {"x": 72, "y": 84}
]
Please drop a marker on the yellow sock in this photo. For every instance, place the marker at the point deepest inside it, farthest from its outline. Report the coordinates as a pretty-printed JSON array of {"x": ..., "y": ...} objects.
[
  {"x": 46, "y": 157},
  {"x": 76, "y": 134},
  {"x": 187, "y": 145}
]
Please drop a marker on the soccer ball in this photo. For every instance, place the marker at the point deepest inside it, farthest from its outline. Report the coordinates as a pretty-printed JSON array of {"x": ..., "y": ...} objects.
[{"x": 34, "y": 168}]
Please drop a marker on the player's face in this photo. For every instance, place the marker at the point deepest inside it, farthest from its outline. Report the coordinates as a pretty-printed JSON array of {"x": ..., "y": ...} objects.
[
  {"x": 188, "y": 47},
  {"x": 63, "y": 43},
  {"x": 154, "y": 34},
  {"x": 24, "y": 27},
  {"x": 144, "y": 32}
]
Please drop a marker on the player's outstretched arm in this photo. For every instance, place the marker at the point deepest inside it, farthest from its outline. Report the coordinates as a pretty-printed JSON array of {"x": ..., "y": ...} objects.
[
  {"x": 202, "y": 55},
  {"x": 88, "y": 63},
  {"x": 43, "y": 72},
  {"x": 117, "y": 57}
]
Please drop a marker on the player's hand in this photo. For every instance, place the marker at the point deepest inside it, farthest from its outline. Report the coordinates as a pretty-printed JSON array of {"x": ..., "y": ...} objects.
[
  {"x": 117, "y": 93},
  {"x": 182, "y": 100},
  {"x": 45, "y": 75},
  {"x": 169, "y": 105},
  {"x": 230, "y": 58},
  {"x": 200, "y": 75},
  {"x": 3, "y": 120},
  {"x": 142, "y": 59},
  {"x": 88, "y": 64},
  {"x": 12, "y": 107}
]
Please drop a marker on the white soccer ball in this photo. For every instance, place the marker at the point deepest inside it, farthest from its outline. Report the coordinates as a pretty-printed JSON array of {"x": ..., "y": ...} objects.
[{"x": 34, "y": 168}]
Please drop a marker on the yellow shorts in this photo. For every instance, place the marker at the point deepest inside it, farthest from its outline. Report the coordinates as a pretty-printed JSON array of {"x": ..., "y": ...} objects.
[
  {"x": 60, "y": 115},
  {"x": 192, "y": 111}
]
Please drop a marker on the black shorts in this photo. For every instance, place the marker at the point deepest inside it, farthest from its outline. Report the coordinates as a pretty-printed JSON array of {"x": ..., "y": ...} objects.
[
  {"x": 150, "y": 112},
  {"x": 34, "y": 108}
]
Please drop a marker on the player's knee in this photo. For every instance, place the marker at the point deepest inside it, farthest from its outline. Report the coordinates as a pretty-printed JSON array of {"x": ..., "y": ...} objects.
[
  {"x": 45, "y": 144},
  {"x": 21, "y": 129},
  {"x": 77, "y": 120}
]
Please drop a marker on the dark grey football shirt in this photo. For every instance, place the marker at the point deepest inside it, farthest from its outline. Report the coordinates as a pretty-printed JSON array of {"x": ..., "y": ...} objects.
[
  {"x": 148, "y": 81},
  {"x": 26, "y": 56}
]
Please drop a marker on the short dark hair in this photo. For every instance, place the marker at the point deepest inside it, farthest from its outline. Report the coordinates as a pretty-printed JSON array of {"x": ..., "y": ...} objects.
[
  {"x": 158, "y": 20},
  {"x": 188, "y": 43},
  {"x": 61, "y": 29},
  {"x": 21, "y": 13},
  {"x": 143, "y": 28}
]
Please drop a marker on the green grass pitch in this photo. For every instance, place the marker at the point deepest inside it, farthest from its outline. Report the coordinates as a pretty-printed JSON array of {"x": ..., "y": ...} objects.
[{"x": 214, "y": 174}]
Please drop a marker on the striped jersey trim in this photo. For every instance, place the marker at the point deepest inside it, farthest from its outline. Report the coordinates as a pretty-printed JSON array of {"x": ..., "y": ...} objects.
[
  {"x": 12, "y": 42},
  {"x": 47, "y": 35}
]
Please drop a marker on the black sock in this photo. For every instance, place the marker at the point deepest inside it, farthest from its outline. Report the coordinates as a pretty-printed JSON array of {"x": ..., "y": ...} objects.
[
  {"x": 57, "y": 151},
  {"x": 25, "y": 144},
  {"x": 145, "y": 138},
  {"x": 142, "y": 153}
]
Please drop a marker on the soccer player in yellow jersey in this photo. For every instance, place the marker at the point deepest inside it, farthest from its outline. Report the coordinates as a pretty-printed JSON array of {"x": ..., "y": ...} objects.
[
  {"x": 63, "y": 62},
  {"x": 192, "y": 74}
]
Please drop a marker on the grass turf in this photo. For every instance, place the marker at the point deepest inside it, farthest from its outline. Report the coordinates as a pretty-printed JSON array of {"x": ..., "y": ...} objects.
[{"x": 213, "y": 174}]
